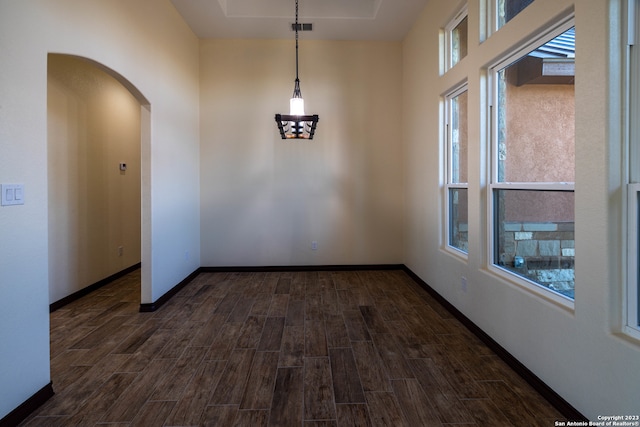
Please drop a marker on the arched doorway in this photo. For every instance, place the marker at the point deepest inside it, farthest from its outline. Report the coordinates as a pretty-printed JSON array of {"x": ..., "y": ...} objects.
[{"x": 98, "y": 147}]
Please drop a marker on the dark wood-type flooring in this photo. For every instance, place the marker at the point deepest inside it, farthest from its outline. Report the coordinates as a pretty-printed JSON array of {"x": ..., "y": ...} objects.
[{"x": 362, "y": 348}]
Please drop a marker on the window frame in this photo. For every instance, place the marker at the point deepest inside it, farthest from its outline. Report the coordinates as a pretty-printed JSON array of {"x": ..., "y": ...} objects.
[
  {"x": 542, "y": 37},
  {"x": 632, "y": 319},
  {"x": 631, "y": 302},
  {"x": 448, "y": 36},
  {"x": 493, "y": 20},
  {"x": 448, "y": 166}
]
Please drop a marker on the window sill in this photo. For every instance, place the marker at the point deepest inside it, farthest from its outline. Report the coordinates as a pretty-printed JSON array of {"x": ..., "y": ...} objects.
[{"x": 533, "y": 288}]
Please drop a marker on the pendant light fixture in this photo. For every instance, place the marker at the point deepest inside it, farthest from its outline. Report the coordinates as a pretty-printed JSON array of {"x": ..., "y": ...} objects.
[{"x": 296, "y": 124}]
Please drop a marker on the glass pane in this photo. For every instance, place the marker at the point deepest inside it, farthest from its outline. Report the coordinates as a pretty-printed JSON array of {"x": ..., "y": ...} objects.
[
  {"x": 536, "y": 114},
  {"x": 534, "y": 236},
  {"x": 507, "y": 9},
  {"x": 459, "y": 42},
  {"x": 458, "y": 220},
  {"x": 459, "y": 136}
]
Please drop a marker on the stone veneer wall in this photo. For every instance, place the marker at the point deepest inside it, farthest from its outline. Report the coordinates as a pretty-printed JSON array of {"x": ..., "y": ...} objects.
[{"x": 543, "y": 252}]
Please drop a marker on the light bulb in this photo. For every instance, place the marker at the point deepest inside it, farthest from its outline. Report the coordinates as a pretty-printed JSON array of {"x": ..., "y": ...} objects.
[{"x": 296, "y": 107}]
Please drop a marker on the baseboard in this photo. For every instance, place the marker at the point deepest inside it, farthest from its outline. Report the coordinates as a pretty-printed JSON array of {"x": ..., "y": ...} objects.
[
  {"x": 153, "y": 306},
  {"x": 19, "y": 414},
  {"x": 86, "y": 291},
  {"x": 288, "y": 268},
  {"x": 564, "y": 407}
]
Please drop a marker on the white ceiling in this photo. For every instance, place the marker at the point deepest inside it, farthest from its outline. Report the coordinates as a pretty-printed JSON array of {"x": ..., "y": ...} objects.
[{"x": 272, "y": 19}]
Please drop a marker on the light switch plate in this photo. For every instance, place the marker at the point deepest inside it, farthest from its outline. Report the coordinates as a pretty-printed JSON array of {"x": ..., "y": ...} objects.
[{"x": 12, "y": 194}]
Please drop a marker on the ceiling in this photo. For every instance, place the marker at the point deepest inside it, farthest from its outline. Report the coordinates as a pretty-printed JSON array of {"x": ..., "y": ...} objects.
[{"x": 272, "y": 19}]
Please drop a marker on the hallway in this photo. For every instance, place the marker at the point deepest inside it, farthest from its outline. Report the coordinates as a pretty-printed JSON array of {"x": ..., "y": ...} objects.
[{"x": 278, "y": 349}]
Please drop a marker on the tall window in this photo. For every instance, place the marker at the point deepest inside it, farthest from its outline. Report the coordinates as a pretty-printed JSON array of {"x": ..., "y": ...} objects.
[
  {"x": 633, "y": 199},
  {"x": 456, "y": 214},
  {"x": 533, "y": 165},
  {"x": 456, "y": 36}
]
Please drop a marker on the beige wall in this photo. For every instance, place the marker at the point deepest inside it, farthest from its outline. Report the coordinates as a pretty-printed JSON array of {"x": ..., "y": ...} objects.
[
  {"x": 93, "y": 124},
  {"x": 148, "y": 45},
  {"x": 264, "y": 200},
  {"x": 578, "y": 351}
]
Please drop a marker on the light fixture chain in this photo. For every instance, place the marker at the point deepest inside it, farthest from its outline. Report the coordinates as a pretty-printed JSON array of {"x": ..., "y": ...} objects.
[{"x": 296, "y": 39}]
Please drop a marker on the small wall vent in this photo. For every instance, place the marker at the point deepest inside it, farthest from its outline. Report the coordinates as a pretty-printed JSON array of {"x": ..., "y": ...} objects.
[{"x": 302, "y": 26}]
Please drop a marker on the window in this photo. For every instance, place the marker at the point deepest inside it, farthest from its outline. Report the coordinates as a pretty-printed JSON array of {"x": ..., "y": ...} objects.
[
  {"x": 533, "y": 157},
  {"x": 456, "y": 215},
  {"x": 507, "y": 9},
  {"x": 456, "y": 35},
  {"x": 632, "y": 320}
]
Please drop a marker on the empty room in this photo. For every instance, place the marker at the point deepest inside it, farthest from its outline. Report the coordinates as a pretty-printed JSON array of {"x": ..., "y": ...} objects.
[{"x": 319, "y": 212}]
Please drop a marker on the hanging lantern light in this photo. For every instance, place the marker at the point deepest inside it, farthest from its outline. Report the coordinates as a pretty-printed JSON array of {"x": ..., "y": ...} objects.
[{"x": 296, "y": 124}]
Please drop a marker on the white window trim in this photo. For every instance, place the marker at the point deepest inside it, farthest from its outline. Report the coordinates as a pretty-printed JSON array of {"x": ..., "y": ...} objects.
[
  {"x": 631, "y": 304},
  {"x": 448, "y": 30},
  {"x": 458, "y": 90},
  {"x": 631, "y": 322},
  {"x": 554, "y": 30}
]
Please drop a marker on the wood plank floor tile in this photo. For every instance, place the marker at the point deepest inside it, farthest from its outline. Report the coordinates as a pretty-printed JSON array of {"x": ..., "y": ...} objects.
[
  {"x": 92, "y": 410},
  {"x": 252, "y": 418},
  {"x": 279, "y": 305},
  {"x": 320, "y": 423},
  {"x": 315, "y": 338},
  {"x": 206, "y": 335},
  {"x": 241, "y": 310},
  {"x": 356, "y": 327},
  {"x": 392, "y": 356},
  {"x": 153, "y": 414},
  {"x": 336, "y": 331},
  {"x": 204, "y": 311},
  {"x": 219, "y": 415},
  {"x": 193, "y": 402},
  {"x": 342, "y": 348},
  {"x": 346, "y": 381},
  {"x": 353, "y": 414},
  {"x": 232, "y": 383},
  {"x": 374, "y": 321},
  {"x": 224, "y": 342},
  {"x": 384, "y": 409},
  {"x": 415, "y": 406},
  {"x": 271, "y": 338},
  {"x": 286, "y": 407},
  {"x": 292, "y": 350},
  {"x": 295, "y": 313},
  {"x": 283, "y": 286},
  {"x": 258, "y": 393},
  {"x": 66, "y": 401},
  {"x": 485, "y": 413},
  {"x": 137, "y": 394},
  {"x": 318, "y": 390},
  {"x": 372, "y": 371},
  {"x": 251, "y": 332},
  {"x": 173, "y": 383}
]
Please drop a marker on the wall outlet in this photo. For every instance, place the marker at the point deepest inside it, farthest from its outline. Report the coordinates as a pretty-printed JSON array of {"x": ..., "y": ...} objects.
[
  {"x": 314, "y": 246},
  {"x": 463, "y": 284},
  {"x": 120, "y": 250}
]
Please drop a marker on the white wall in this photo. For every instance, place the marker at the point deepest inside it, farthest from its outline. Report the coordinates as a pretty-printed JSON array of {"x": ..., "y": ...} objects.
[
  {"x": 148, "y": 44},
  {"x": 93, "y": 124},
  {"x": 264, "y": 200},
  {"x": 579, "y": 352}
]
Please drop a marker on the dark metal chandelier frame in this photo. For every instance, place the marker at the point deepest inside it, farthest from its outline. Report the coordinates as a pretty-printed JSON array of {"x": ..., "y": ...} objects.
[{"x": 294, "y": 126}]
